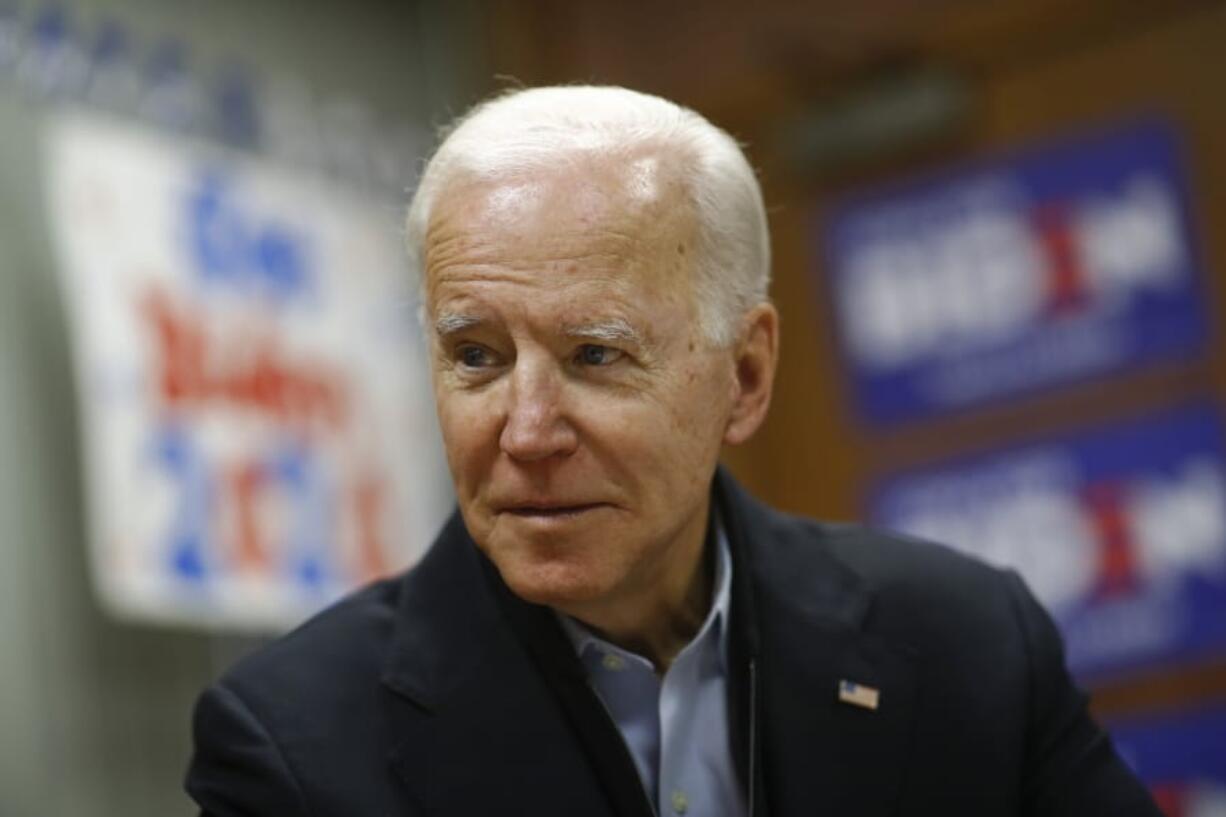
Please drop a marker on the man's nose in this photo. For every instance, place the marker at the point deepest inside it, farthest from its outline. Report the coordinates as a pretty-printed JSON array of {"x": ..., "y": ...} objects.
[{"x": 536, "y": 425}]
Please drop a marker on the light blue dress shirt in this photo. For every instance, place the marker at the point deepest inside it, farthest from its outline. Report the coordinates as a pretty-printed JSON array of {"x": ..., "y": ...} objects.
[{"x": 676, "y": 727}]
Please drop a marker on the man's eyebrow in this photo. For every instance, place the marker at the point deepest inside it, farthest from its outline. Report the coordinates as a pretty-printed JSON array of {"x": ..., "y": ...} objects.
[
  {"x": 450, "y": 323},
  {"x": 614, "y": 330}
]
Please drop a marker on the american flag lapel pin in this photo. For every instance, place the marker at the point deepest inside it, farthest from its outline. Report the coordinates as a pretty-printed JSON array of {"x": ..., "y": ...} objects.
[{"x": 859, "y": 695}]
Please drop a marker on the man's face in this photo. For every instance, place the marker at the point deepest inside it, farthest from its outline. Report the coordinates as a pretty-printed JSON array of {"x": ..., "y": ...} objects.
[{"x": 581, "y": 409}]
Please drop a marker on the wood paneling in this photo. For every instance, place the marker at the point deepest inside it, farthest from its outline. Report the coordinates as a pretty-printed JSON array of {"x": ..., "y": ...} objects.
[{"x": 1035, "y": 67}]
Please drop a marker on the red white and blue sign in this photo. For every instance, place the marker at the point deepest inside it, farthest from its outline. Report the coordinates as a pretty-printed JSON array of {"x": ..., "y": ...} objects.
[
  {"x": 258, "y": 430},
  {"x": 1068, "y": 261},
  {"x": 1119, "y": 530},
  {"x": 1181, "y": 757}
]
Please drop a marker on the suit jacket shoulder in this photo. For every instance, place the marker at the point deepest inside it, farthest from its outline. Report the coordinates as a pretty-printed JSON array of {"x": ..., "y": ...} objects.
[
  {"x": 918, "y": 593},
  {"x": 343, "y": 643},
  {"x": 971, "y": 710},
  {"x": 267, "y": 732},
  {"x": 394, "y": 701}
]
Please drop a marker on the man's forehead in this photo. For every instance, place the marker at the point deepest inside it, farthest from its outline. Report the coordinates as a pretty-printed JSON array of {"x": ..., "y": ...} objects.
[
  {"x": 641, "y": 192},
  {"x": 584, "y": 229}
]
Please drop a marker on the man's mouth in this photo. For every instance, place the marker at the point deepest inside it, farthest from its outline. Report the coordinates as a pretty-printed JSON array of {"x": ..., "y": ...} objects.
[{"x": 551, "y": 511}]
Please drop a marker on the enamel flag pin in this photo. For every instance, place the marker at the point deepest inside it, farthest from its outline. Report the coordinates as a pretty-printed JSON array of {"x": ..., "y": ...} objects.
[{"x": 859, "y": 695}]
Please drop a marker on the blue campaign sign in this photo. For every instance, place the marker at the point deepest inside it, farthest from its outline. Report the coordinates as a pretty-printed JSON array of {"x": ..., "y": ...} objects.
[
  {"x": 1181, "y": 757},
  {"x": 1119, "y": 530},
  {"x": 1068, "y": 261}
]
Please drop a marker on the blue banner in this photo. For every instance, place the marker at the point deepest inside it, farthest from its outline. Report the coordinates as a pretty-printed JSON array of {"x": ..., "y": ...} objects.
[
  {"x": 1069, "y": 261},
  {"x": 1119, "y": 530},
  {"x": 1181, "y": 757}
]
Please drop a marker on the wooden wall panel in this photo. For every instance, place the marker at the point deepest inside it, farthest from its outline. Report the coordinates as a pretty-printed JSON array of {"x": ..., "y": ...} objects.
[{"x": 1034, "y": 69}]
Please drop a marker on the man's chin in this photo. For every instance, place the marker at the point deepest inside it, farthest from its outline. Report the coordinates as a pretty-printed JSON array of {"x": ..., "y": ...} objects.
[{"x": 551, "y": 585}]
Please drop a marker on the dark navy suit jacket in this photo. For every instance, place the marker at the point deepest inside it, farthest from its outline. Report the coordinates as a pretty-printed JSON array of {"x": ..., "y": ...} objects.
[{"x": 441, "y": 693}]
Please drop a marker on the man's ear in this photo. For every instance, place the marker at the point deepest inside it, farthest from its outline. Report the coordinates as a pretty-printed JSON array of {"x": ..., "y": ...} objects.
[{"x": 757, "y": 352}]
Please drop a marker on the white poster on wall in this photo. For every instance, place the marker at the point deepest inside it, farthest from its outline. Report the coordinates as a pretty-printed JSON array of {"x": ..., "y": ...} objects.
[{"x": 256, "y": 416}]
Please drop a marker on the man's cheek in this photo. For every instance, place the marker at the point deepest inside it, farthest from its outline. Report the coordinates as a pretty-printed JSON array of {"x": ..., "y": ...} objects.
[{"x": 467, "y": 421}]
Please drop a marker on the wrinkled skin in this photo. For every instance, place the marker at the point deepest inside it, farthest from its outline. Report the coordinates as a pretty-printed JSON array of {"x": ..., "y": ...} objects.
[{"x": 582, "y": 410}]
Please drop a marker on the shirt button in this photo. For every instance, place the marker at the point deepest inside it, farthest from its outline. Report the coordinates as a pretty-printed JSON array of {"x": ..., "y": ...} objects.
[
  {"x": 680, "y": 802},
  {"x": 612, "y": 662}
]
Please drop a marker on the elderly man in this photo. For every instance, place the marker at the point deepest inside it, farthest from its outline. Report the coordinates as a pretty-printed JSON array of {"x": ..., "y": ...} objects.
[{"x": 610, "y": 625}]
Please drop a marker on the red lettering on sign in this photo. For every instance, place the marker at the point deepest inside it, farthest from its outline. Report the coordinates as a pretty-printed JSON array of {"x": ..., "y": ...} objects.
[
  {"x": 1117, "y": 572},
  {"x": 246, "y": 481},
  {"x": 1066, "y": 290},
  {"x": 197, "y": 369},
  {"x": 368, "y": 505},
  {"x": 1171, "y": 799}
]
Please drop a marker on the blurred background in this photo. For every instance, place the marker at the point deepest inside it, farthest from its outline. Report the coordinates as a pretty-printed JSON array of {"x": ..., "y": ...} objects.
[{"x": 999, "y": 258}]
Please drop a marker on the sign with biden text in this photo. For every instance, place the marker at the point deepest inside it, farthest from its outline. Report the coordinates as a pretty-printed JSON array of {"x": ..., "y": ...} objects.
[
  {"x": 1070, "y": 261},
  {"x": 256, "y": 418},
  {"x": 1119, "y": 530}
]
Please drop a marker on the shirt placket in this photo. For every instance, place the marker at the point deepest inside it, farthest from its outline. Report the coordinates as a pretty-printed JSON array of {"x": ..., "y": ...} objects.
[{"x": 676, "y": 784}]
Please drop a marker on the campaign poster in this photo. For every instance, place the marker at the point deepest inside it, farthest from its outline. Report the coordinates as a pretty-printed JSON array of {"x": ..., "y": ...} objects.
[
  {"x": 255, "y": 412},
  {"x": 1181, "y": 756},
  {"x": 1119, "y": 529},
  {"x": 1068, "y": 261}
]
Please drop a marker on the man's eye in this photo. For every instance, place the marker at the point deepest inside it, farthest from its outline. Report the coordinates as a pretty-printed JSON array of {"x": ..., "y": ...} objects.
[
  {"x": 592, "y": 354},
  {"x": 474, "y": 357}
]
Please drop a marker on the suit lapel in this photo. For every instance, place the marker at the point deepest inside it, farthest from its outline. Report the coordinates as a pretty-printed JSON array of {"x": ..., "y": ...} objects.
[
  {"x": 820, "y": 751},
  {"x": 801, "y": 619},
  {"x": 479, "y": 730}
]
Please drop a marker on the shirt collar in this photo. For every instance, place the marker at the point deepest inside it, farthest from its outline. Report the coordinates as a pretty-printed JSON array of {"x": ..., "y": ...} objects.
[{"x": 714, "y": 626}]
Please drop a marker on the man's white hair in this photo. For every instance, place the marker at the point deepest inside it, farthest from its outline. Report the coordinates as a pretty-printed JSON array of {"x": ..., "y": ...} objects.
[{"x": 523, "y": 132}]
